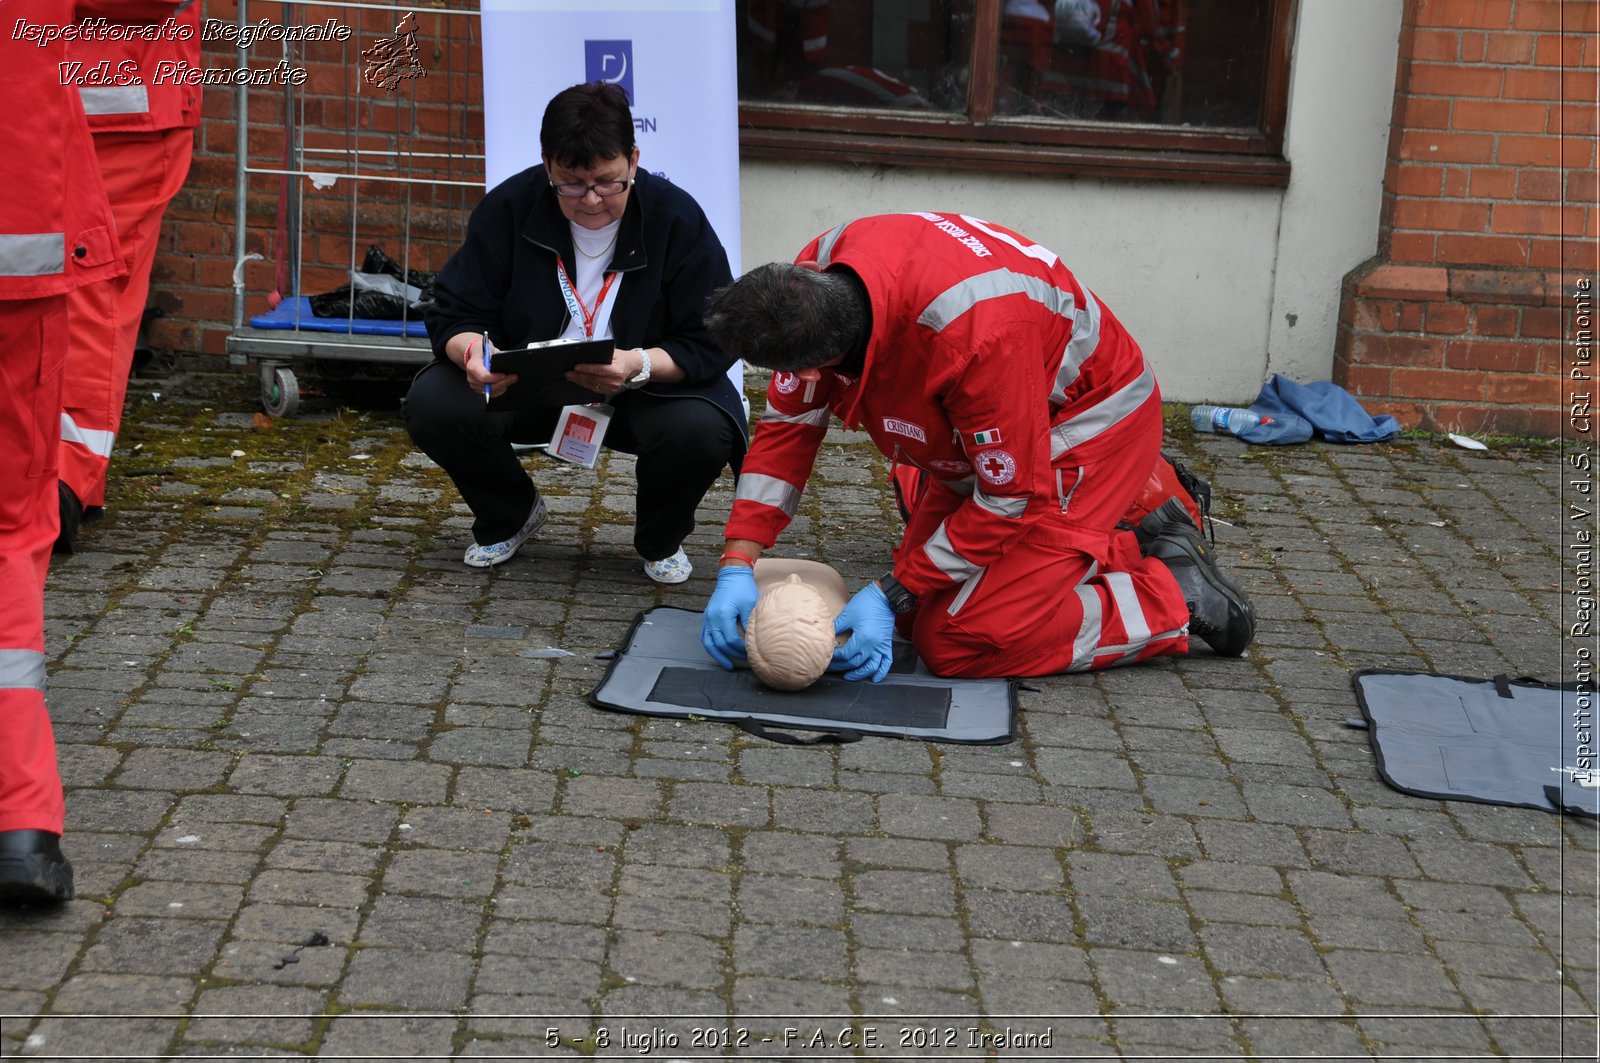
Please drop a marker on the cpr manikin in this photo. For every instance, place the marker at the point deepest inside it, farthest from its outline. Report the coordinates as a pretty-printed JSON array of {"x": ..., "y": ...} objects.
[{"x": 789, "y": 637}]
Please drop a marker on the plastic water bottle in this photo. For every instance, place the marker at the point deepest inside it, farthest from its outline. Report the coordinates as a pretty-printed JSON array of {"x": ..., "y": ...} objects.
[
  {"x": 1230, "y": 420},
  {"x": 1250, "y": 426}
]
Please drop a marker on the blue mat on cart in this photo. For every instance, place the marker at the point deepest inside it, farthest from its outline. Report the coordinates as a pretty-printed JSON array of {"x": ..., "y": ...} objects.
[{"x": 296, "y": 314}]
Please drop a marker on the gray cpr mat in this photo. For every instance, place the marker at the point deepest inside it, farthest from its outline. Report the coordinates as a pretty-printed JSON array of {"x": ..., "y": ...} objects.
[
  {"x": 1498, "y": 741},
  {"x": 662, "y": 670}
]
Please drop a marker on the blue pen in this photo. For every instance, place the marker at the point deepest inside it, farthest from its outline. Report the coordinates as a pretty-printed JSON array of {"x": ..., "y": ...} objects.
[{"x": 486, "y": 369}]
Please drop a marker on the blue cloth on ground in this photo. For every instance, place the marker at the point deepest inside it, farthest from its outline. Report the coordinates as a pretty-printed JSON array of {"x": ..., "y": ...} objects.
[{"x": 1323, "y": 408}]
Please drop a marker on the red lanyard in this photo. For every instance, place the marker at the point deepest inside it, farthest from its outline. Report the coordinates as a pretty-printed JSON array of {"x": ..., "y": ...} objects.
[{"x": 570, "y": 290}]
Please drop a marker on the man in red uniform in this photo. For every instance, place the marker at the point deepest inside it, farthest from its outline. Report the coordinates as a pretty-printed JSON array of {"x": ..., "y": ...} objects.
[
  {"x": 968, "y": 351},
  {"x": 126, "y": 59},
  {"x": 56, "y": 234},
  {"x": 1120, "y": 52}
]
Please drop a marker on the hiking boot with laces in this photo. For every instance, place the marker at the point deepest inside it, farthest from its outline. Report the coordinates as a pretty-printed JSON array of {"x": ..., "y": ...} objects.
[
  {"x": 1170, "y": 514},
  {"x": 1218, "y": 611}
]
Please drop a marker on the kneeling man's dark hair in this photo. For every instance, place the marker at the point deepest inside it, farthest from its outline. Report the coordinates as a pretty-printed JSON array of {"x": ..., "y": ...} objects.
[{"x": 787, "y": 317}]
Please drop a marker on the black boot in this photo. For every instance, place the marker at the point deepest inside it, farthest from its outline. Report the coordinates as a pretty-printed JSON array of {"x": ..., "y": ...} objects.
[
  {"x": 1218, "y": 611},
  {"x": 1170, "y": 514},
  {"x": 71, "y": 520},
  {"x": 32, "y": 869}
]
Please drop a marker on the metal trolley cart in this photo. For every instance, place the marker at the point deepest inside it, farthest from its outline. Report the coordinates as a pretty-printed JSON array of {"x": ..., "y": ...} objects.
[{"x": 368, "y": 134}]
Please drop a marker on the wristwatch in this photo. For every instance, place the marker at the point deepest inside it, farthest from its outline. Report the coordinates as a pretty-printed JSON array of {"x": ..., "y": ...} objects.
[
  {"x": 900, "y": 599},
  {"x": 643, "y": 376}
]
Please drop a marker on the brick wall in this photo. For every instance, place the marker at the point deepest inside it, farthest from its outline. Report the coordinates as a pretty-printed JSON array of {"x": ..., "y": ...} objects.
[
  {"x": 406, "y": 144},
  {"x": 1489, "y": 216}
]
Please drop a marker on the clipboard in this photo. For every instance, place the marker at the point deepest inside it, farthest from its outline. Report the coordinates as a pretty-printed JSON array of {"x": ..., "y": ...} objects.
[{"x": 541, "y": 373}]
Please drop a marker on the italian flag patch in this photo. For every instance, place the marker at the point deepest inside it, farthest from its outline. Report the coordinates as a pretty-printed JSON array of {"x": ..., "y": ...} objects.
[{"x": 986, "y": 437}]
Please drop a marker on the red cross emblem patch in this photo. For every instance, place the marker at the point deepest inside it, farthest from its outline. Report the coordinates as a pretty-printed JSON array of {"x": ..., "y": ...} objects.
[{"x": 996, "y": 466}]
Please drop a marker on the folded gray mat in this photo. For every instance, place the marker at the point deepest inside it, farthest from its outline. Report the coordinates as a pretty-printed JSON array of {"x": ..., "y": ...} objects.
[
  {"x": 662, "y": 670},
  {"x": 1498, "y": 741}
]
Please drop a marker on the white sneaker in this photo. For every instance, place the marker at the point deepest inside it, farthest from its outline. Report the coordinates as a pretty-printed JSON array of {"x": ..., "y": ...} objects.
[
  {"x": 486, "y": 556},
  {"x": 674, "y": 569}
]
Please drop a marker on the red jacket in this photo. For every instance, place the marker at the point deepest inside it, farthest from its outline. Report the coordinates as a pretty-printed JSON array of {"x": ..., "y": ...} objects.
[
  {"x": 127, "y": 54},
  {"x": 989, "y": 366},
  {"x": 56, "y": 231}
]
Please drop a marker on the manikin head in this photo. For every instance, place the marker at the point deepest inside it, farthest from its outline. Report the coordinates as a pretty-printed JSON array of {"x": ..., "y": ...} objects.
[{"x": 789, "y": 637}]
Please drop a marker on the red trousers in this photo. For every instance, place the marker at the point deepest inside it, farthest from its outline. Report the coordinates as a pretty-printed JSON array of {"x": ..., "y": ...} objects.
[
  {"x": 142, "y": 172},
  {"x": 1074, "y": 594},
  {"x": 33, "y": 343}
]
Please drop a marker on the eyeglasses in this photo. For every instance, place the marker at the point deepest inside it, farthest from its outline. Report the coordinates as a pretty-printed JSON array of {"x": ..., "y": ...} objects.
[{"x": 603, "y": 189}]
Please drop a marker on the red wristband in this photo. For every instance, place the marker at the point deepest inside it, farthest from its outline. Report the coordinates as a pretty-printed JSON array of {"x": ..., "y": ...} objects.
[{"x": 736, "y": 556}]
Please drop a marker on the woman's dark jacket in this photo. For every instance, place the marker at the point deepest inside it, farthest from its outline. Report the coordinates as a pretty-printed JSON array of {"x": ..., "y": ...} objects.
[{"x": 503, "y": 279}]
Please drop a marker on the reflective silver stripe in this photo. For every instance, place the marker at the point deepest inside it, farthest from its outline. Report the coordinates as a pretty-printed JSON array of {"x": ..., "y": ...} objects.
[
  {"x": 825, "y": 245},
  {"x": 1102, "y": 415},
  {"x": 1128, "y": 608},
  {"x": 769, "y": 491},
  {"x": 959, "y": 298},
  {"x": 22, "y": 670},
  {"x": 1126, "y": 654},
  {"x": 966, "y": 592},
  {"x": 1007, "y": 506},
  {"x": 760, "y": 32},
  {"x": 91, "y": 439},
  {"x": 120, "y": 99},
  {"x": 1085, "y": 338},
  {"x": 1129, "y": 654},
  {"x": 881, "y": 93},
  {"x": 1088, "y": 640},
  {"x": 32, "y": 254},
  {"x": 944, "y": 556},
  {"x": 1087, "y": 646},
  {"x": 818, "y": 416},
  {"x": 1162, "y": 636}
]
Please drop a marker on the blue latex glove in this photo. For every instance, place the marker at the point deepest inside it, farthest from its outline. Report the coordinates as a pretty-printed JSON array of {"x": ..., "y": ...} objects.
[
  {"x": 722, "y": 634},
  {"x": 870, "y": 649}
]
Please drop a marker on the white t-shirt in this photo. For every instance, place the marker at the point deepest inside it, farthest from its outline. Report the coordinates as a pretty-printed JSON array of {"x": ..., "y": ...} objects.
[{"x": 595, "y": 248}]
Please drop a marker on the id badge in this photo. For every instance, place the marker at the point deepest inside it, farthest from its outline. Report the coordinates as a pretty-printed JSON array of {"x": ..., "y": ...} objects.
[{"x": 579, "y": 432}]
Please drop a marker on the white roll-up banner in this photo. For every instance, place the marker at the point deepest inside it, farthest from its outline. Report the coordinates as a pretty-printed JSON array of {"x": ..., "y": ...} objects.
[{"x": 675, "y": 59}]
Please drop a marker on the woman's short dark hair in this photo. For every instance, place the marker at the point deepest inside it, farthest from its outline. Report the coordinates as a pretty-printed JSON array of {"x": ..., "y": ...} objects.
[
  {"x": 786, "y": 317},
  {"x": 585, "y": 124}
]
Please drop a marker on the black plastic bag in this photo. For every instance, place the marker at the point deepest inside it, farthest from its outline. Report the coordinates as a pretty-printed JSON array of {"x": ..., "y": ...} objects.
[
  {"x": 379, "y": 291},
  {"x": 379, "y": 262}
]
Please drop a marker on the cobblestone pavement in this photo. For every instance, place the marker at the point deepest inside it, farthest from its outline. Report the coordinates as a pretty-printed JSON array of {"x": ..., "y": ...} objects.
[{"x": 324, "y": 801}]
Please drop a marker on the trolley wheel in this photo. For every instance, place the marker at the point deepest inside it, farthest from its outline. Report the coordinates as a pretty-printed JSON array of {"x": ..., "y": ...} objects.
[{"x": 280, "y": 391}]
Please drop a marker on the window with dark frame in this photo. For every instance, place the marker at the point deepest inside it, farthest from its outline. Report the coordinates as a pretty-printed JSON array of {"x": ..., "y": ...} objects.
[{"x": 1192, "y": 90}]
